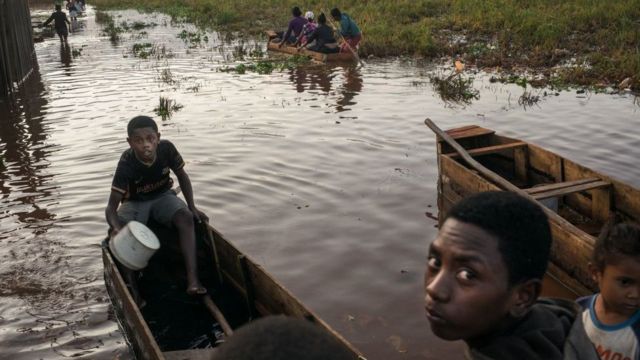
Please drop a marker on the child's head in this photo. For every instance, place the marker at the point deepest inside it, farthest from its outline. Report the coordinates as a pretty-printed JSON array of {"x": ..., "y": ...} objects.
[
  {"x": 322, "y": 19},
  {"x": 336, "y": 14},
  {"x": 295, "y": 11},
  {"x": 143, "y": 137},
  {"x": 309, "y": 16},
  {"x": 282, "y": 338},
  {"x": 58, "y": 8},
  {"x": 485, "y": 267},
  {"x": 616, "y": 267}
]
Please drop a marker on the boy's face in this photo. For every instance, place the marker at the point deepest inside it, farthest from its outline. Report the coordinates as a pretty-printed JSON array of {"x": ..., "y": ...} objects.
[
  {"x": 144, "y": 142},
  {"x": 619, "y": 284},
  {"x": 466, "y": 283}
]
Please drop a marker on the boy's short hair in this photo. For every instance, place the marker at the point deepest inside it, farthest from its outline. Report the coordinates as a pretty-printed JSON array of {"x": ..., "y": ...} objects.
[
  {"x": 296, "y": 11},
  {"x": 520, "y": 225},
  {"x": 141, "y": 121},
  {"x": 322, "y": 19},
  {"x": 335, "y": 13},
  {"x": 282, "y": 338},
  {"x": 58, "y": 7},
  {"x": 615, "y": 240}
]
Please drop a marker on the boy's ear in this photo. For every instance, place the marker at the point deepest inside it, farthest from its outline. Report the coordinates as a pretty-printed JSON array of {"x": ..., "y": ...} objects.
[
  {"x": 158, "y": 135},
  {"x": 524, "y": 296},
  {"x": 129, "y": 141},
  {"x": 595, "y": 272}
]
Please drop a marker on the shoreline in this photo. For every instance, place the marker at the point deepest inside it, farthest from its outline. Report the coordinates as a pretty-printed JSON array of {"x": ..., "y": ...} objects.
[{"x": 576, "y": 43}]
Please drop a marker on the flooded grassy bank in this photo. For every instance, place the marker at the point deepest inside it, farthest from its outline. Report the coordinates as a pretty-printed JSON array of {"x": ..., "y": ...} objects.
[{"x": 591, "y": 43}]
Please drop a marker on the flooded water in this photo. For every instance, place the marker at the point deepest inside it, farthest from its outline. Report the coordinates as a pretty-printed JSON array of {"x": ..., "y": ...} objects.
[{"x": 326, "y": 175}]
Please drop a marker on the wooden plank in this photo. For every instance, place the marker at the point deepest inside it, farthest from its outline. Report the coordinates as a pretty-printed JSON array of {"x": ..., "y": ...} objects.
[
  {"x": 601, "y": 204},
  {"x": 521, "y": 163},
  {"x": 561, "y": 185},
  {"x": 144, "y": 344},
  {"x": 545, "y": 162},
  {"x": 196, "y": 354},
  {"x": 490, "y": 149},
  {"x": 469, "y": 131},
  {"x": 572, "y": 189}
]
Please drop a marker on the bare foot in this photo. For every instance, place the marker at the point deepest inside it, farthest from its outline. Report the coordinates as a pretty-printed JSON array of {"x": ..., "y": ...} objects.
[{"x": 196, "y": 290}]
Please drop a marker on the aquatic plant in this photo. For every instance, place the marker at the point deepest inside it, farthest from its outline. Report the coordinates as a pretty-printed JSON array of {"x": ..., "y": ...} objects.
[
  {"x": 193, "y": 38},
  {"x": 528, "y": 99},
  {"x": 103, "y": 17},
  {"x": 454, "y": 88},
  {"x": 268, "y": 66},
  {"x": 166, "y": 108},
  {"x": 143, "y": 50},
  {"x": 76, "y": 52},
  {"x": 166, "y": 76},
  {"x": 139, "y": 25}
]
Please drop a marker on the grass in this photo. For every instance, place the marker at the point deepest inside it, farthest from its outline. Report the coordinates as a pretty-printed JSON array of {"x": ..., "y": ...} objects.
[
  {"x": 602, "y": 35},
  {"x": 454, "y": 89},
  {"x": 166, "y": 108}
]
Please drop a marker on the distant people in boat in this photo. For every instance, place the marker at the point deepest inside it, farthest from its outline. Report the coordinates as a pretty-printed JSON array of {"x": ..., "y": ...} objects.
[
  {"x": 307, "y": 29},
  {"x": 609, "y": 323},
  {"x": 60, "y": 23},
  {"x": 142, "y": 190},
  {"x": 294, "y": 30},
  {"x": 322, "y": 39},
  {"x": 348, "y": 29},
  {"x": 282, "y": 338},
  {"x": 484, "y": 275}
]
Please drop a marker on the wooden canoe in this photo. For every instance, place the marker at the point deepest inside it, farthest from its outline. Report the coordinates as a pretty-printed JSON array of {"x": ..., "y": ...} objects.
[
  {"x": 173, "y": 325},
  {"x": 582, "y": 199},
  {"x": 317, "y": 56}
]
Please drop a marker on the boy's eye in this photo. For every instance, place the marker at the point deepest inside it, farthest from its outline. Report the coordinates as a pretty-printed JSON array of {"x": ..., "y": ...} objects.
[
  {"x": 466, "y": 275},
  {"x": 625, "y": 281},
  {"x": 433, "y": 262}
]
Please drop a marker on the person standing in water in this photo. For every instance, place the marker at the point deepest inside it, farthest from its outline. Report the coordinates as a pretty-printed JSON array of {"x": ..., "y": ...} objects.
[{"x": 60, "y": 23}]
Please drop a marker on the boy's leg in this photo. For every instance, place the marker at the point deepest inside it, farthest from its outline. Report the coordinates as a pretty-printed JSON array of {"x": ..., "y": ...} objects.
[{"x": 172, "y": 211}]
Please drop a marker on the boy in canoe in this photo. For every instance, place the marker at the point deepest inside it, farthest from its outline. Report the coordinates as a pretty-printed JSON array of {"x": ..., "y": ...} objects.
[
  {"x": 60, "y": 23},
  {"x": 483, "y": 278},
  {"x": 322, "y": 40},
  {"x": 143, "y": 185},
  {"x": 610, "y": 319},
  {"x": 348, "y": 29}
]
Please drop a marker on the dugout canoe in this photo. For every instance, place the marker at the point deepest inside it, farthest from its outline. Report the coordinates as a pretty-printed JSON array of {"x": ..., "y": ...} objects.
[
  {"x": 580, "y": 200},
  {"x": 317, "y": 56},
  {"x": 173, "y": 325}
]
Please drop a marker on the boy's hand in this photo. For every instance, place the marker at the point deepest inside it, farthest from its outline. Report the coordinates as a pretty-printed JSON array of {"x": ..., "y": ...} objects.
[{"x": 199, "y": 216}]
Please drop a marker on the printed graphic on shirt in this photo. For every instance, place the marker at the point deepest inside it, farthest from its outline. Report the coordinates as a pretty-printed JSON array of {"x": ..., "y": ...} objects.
[{"x": 137, "y": 181}]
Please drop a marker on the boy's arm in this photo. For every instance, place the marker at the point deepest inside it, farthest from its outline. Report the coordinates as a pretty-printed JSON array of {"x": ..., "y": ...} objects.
[
  {"x": 48, "y": 21},
  {"x": 185, "y": 185},
  {"x": 111, "y": 214}
]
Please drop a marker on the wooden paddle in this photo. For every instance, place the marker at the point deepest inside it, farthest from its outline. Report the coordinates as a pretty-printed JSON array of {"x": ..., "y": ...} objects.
[{"x": 355, "y": 54}]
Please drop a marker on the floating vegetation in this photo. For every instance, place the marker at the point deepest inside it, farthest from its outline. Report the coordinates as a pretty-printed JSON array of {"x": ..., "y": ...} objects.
[
  {"x": 166, "y": 76},
  {"x": 166, "y": 108},
  {"x": 195, "y": 88},
  {"x": 103, "y": 17},
  {"x": 143, "y": 50},
  {"x": 110, "y": 29},
  {"x": 268, "y": 66},
  {"x": 528, "y": 99},
  {"x": 76, "y": 52},
  {"x": 194, "y": 39},
  {"x": 139, "y": 25},
  {"x": 455, "y": 89}
]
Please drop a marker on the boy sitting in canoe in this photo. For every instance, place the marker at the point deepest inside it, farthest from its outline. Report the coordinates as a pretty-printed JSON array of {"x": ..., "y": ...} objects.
[
  {"x": 323, "y": 37},
  {"x": 483, "y": 278},
  {"x": 294, "y": 30},
  {"x": 143, "y": 185},
  {"x": 610, "y": 319}
]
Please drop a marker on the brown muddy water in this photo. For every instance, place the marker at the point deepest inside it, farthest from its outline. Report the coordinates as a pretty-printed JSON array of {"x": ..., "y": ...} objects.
[{"x": 325, "y": 175}]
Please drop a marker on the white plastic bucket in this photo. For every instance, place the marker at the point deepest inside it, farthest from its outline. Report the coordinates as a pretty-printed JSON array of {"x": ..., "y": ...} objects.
[{"x": 134, "y": 245}]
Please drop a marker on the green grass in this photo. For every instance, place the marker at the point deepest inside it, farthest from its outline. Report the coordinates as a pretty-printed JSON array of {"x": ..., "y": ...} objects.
[
  {"x": 166, "y": 107},
  {"x": 506, "y": 33}
]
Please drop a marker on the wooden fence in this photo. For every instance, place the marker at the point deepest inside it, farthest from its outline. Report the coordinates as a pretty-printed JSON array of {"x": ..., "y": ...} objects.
[{"x": 17, "y": 55}]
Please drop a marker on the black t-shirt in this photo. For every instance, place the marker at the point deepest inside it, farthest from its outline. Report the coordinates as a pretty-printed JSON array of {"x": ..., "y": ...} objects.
[
  {"x": 59, "y": 19},
  {"x": 137, "y": 181}
]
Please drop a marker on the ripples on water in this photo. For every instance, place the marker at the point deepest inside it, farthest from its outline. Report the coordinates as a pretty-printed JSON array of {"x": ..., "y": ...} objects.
[{"x": 325, "y": 175}]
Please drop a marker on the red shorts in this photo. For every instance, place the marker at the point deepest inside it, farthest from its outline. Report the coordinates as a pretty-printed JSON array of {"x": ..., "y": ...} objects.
[{"x": 352, "y": 41}]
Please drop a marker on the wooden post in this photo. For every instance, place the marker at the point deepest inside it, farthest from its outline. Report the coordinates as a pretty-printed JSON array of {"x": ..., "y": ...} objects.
[{"x": 17, "y": 54}]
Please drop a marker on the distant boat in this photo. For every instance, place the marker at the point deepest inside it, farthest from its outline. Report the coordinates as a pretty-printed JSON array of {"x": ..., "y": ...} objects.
[
  {"x": 318, "y": 56},
  {"x": 173, "y": 325},
  {"x": 580, "y": 200}
]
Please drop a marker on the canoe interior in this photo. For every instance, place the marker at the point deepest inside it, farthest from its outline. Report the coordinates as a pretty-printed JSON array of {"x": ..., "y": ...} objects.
[
  {"x": 172, "y": 323},
  {"x": 579, "y": 195}
]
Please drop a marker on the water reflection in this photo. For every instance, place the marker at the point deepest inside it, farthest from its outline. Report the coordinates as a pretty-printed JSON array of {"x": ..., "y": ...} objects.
[
  {"x": 65, "y": 57},
  {"x": 24, "y": 180},
  {"x": 320, "y": 78}
]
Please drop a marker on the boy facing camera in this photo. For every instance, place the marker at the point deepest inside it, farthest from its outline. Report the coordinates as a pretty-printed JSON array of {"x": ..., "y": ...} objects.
[{"x": 484, "y": 275}]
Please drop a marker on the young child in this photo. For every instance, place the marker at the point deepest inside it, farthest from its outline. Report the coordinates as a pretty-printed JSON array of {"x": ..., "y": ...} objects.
[
  {"x": 60, "y": 23},
  {"x": 143, "y": 185},
  {"x": 611, "y": 318},
  {"x": 483, "y": 277},
  {"x": 307, "y": 30}
]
